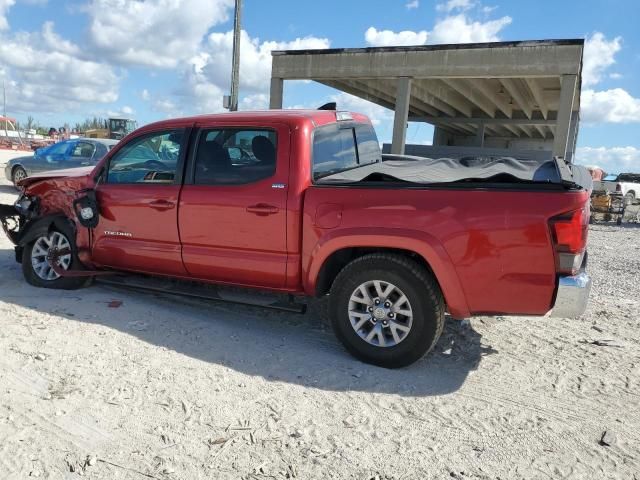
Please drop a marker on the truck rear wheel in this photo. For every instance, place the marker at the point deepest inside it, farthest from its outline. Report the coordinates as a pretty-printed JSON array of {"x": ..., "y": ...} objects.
[
  {"x": 386, "y": 310},
  {"x": 36, "y": 268}
]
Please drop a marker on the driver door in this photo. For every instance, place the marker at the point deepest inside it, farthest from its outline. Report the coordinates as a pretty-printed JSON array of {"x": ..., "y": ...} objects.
[{"x": 138, "y": 199}]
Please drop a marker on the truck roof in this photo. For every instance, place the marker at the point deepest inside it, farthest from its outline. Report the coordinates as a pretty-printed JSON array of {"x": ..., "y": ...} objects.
[{"x": 290, "y": 116}]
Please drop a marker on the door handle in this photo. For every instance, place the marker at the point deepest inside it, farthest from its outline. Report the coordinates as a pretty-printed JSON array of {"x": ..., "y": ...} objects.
[
  {"x": 263, "y": 209},
  {"x": 162, "y": 205}
]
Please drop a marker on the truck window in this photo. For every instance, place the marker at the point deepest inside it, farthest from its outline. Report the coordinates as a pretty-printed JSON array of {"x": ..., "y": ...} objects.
[
  {"x": 235, "y": 156},
  {"x": 151, "y": 158},
  {"x": 337, "y": 148},
  {"x": 368, "y": 145}
]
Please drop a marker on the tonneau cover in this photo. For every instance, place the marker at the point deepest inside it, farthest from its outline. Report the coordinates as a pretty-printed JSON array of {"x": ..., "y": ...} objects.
[{"x": 423, "y": 170}]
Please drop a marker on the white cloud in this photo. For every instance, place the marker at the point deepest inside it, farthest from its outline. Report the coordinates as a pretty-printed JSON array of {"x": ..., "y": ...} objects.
[
  {"x": 255, "y": 57},
  {"x": 45, "y": 74},
  {"x": 615, "y": 76},
  {"x": 412, "y": 4},
  {"x": 5, "y": 5},
  {"x": 155, "y": 33},
  {"x": 145, "y": 95},
  {"x": 380, "y": 38},
  {"x": 257, "y": 101},
  {"x": 599, "y": 55},
  {"x": 612, "y": 160},
  {"x": 56, "y": 43},
  {"x": 167, "y": 106},
  {"x": 614, "y": 106},
  {"x": 124, "y": 112},
  {"x": 208, "y": 74},
  {"x": 455, "y": 5},
  {"x": 451, "y": 29},
  {"x": 461, "y": 29}
]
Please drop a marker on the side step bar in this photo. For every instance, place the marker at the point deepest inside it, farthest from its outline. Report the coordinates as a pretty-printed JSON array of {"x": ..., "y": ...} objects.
[{"x": 198, "y": 290}]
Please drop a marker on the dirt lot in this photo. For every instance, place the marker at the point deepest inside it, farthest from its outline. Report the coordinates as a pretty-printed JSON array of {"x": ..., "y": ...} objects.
[{"x": 157, "y": 387}]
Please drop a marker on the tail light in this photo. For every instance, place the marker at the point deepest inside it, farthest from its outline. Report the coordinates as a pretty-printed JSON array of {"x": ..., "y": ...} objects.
[{"x": 569, "y": 234}]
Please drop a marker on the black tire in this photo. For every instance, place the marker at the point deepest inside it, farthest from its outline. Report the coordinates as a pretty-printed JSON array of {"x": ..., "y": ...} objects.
[
  {"x": 62, "y": 283},
  {"x": 629, "y": 198},
  {"x": 420, "y": 288},
  {"x": 18, "y": 173}
]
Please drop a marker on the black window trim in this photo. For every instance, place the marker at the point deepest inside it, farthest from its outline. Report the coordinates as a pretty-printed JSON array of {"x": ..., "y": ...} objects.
[
  {"x": 184, "y": 147},
  {"x": 190, "y": 170}
]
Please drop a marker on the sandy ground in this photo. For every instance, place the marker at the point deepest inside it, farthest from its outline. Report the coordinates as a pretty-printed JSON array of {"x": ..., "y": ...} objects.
[{"x": 157, "y": 387}]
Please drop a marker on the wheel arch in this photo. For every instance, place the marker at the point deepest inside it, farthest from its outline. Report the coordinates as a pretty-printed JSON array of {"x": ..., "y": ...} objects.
[
  {"x": 335, "y": 251},
  {"x": 43, "y": 225},
  {"x": 15, "y": 166}
]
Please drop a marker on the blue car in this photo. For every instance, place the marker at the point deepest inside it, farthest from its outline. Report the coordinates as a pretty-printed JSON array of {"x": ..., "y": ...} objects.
[{"x": 78, "y": 152}]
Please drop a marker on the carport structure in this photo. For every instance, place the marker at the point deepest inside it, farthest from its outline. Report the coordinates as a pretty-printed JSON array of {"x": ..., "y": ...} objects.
[{"x": 500, "y": 96}]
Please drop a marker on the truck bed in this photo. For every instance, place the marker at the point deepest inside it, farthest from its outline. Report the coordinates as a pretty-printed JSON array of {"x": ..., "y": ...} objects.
[{"x": 490, "y": 248}]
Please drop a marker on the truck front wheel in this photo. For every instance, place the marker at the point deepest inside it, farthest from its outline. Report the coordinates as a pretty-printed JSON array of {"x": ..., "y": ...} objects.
[
  {"x": 36, "y": 268},
  {"x": 386, "y": 310}
]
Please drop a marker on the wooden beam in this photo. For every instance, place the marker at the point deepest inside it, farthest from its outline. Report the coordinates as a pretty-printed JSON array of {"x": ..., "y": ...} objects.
[
  {"x": 526, "y": 129},
  {"x": 495, "y": 121},
  {"x": 513, "y": 130},
  {"x": 565, "y": 108},
  {"x": 352, "y": 87},
  {"x": 445, "y": 95},
  {"x": 433, "y": 100},
  {"x": 512, "y": 87},
  {"x": 540, "y": 129},
  {"x": 538, "y": 96},
  {"x": 486, "y": 89},
  {"x": 471, "y": 94}
]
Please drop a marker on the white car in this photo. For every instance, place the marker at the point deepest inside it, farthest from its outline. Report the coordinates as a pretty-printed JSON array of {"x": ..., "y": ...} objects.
[{"x": 627, "y": 184}]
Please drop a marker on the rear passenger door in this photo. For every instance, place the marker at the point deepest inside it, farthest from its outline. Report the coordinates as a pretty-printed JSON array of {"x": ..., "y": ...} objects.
[{"x": 232, "y": 212}]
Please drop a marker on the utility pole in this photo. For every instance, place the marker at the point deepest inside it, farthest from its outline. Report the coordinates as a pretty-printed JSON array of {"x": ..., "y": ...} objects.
[{"x": 235, "y": 69}]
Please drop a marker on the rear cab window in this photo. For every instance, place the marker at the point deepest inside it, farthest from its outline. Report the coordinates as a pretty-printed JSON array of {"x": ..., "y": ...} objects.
[{"x": 343, "y": 146}]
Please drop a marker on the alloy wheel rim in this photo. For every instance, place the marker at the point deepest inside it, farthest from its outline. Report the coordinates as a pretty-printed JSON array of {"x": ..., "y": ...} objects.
[
  {"x": 380, "y": 313},
  {"x": 40, "y": 251},
  {"x": 19, "y": 175}
]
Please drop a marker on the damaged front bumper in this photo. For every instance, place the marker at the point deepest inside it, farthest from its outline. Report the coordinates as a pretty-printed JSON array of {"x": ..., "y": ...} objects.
[
  {"x": 12, "y": 222},
  {"x": 15, "y": 217}
]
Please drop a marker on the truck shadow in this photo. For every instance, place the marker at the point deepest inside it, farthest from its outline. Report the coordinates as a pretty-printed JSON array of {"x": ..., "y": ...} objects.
[{"x": 277, "y": 346}]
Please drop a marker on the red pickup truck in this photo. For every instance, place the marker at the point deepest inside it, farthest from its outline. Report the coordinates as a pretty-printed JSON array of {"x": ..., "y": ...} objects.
[{"x": 303, "y": 202}]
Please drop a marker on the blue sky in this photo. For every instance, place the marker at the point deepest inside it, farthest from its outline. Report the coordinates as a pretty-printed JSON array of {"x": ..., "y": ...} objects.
[{"x": 63, "y": 61}]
